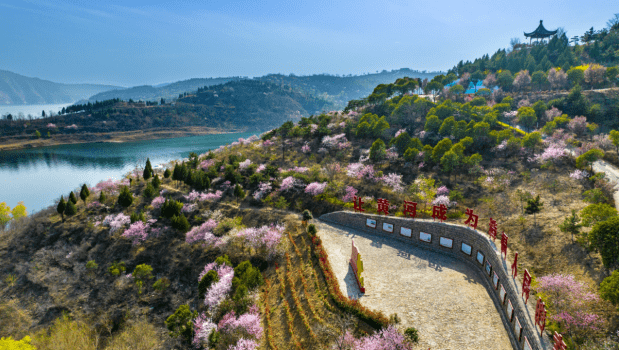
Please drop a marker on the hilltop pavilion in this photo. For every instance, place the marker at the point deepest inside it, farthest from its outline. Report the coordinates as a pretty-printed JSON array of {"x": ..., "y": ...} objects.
[{"x": 540, "y": 33}]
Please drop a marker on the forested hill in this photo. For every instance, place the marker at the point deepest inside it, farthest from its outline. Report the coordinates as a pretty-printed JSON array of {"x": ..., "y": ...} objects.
[
  {"x": 167, "y": 92},
  {"x": 16, "y": 89},
  {"x": 341, "y": 89},
  {"x": 338, "y": 90},
  {"x": 256, "y": 104}
]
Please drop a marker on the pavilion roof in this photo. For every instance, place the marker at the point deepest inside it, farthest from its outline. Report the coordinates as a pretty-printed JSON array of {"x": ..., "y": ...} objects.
[{"x": 540, "y": 32}]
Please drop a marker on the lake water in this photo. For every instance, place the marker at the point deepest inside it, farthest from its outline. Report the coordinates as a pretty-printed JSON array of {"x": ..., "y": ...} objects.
[
  {"x": 39, "y": 176},
  {"x": 34, "y": 110}
]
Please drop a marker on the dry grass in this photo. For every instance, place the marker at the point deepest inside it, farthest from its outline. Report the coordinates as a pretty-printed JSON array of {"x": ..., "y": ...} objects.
[
  {"x": 14, "y": 320},
  {"x": 137, "y": 335},
  {"x": 66, "y": 334}
]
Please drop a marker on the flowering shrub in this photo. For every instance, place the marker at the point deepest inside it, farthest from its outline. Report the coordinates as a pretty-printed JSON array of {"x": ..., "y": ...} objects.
[
  {"x": 263, "y": 189},
  {"x": 552, "y": 153},
  {"x": 360, "y": 171},
  {"x": 313, "y": 128},
  {"x": 157, "y": 202},
  {"x": 305, "y": 148},
  {"x": 248, "y": 323},
  {"x": 315, "y": 188},
  {"x": 391, "y": 154},
  {"x": 72, "y": 126},
  {"x": 110, "y": 186},
  {"x": 342, "y": 125},
  {"x": 188, "y": 208},
  {"x": 397, "y": 134},
  {"x": 207, "y": 163},
  {"x": 202, "y": 327},
  {"x": 211, "y": 196},
  {"x": 333, "y": 141},
  {"x": 116, "y": 221},
  {"x": 138, "y": 232},
  {"x": 552, "y": 113},
  {"x": 443, "y": 190},
  {"x": 394, "y": 181},
  {"x": 579, "y": 174},
  {"x": 245, "y": 344},
  {"x": 267, "y": 143},
  {"x": 287, "y": 183},
  {"x": 264, "y": 239},
  {"x": 441, "y": 200},
  {"x": 203, "y": 233},
  {"x": 261, "y": 168},
  {"x": 350, "y": 193},
  {"x": 218, "y": 290},
  {"x": 388, "y": 338},
  {"x": 509, "y": 116},
  {"x": 571, "y": 303},
  {"x": 602, "y": 141},
  {"x": 578, "y": 125},
  {"x": 243, "y": 165}
]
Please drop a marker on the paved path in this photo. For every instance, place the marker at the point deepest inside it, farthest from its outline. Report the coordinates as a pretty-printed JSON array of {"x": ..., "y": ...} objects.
[
  {"x": 441, "y": 297},
  {"x": 612, "y": 174}
]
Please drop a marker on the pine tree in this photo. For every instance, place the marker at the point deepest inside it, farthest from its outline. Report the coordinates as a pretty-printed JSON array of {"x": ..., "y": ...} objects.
[
  {"x": 148, "y": 170},
  {"x": 71, "y": 209},
  {"x": 125, "y": 198},
  {"x": 156, "y": 182},
  {"x": 571, "y": 225},
  {"x": 534, "y": 206},
  {"x": 239, "y": 192},
  {"x": 84, "y": 193},
  {"x": 72, "y": 198},
  {"x": 61, "y": 207},
  {"x": 167, "y": 173},
  {"x": 102, "y": 197}
]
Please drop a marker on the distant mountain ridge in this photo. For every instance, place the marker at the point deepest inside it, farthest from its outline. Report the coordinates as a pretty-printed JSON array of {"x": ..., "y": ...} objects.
[
  {"x": 168, "y": 91},
  {"x": 16, "y": 89},
  {"x": 337, "y": 90}
]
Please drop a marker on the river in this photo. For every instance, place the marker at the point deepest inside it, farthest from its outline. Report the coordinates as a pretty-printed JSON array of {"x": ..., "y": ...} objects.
[{"x": 39, "y": 176}]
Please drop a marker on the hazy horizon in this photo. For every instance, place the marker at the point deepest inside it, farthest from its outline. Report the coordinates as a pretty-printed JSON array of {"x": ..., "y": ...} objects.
[{"x": 132, "y": 43}]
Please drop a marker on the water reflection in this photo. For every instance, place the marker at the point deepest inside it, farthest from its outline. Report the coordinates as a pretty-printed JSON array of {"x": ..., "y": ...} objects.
[{"x": 38, "y": 176}]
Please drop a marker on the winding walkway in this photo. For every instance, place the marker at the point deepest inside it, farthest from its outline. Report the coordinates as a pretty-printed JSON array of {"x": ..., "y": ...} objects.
[{"x": 441, "y": 297}]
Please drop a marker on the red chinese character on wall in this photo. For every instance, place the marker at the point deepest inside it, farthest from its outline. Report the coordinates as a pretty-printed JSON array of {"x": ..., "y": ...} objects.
[
  {"x": 526, "y": 285},
  {"x": 540, "y": 315},
  {"x": 559, "y": 343},
  {"x": 383, "y": 206},
  {"x": 504, "y": 239},
  {"x": 515, "y": 266},
  {"x": 472, "y": 220},
  {"x": 492, "y": 229},
  {"x": 439, "y": 212},
  {"x": 410, "y": 208},
  {"x": 357, "y": 204}
]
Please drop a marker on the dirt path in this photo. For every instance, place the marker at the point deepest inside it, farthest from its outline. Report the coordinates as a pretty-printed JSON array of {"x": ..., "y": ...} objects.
[
  {"x": 612, "y": 174},
  {"x": 441, "y": 297}
]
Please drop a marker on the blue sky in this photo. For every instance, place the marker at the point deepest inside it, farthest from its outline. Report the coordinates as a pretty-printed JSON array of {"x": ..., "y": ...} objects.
[{"x": 149, "y": 42}]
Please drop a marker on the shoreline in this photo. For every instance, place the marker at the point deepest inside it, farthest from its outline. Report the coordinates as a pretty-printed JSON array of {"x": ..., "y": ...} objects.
[{"x": 110, "y": 137}]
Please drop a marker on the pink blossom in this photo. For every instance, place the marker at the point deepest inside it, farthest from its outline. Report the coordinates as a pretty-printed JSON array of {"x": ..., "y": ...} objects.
[
  {"x": 332, "y": 141},
  {"x": 552, "y": 153},
  {"x": 264, "y": 239},
  {"x": 422, "y": 134},
  {"x": 263, "y": 189},
  {"x": 243, "y": 165},
  {"x": 72, "y": 126},
  {"x": 218, "y": 291},
  {"x": 261, "y": 168},
  {"x": 188, "y": 208},
  {"x": 51, "y": 125},
  {"x": 211, "y": 196},
  {"x": 579, "y": 174},
  {"x": 421, "y": 164},
  {"x": 315, "y": 188},
  {"x": 397, "y": 134},
  {"x": 267, "y": 143},
  {"x": 110, "y": 186},
  {"x": 202, "y": 327},
  {"x": 385, "y": 339},
  {"x": 245, "y": 344},
  {"x": 350, "y": 194},
  {"x": 578, "y": 125},
  {"x": 442, "y": 190},
  {"x": 157, "y": 202},
  {"x": 305, "y": 148},
  {"x": 203, "y": 233},
  {"x": 207, "y": 163},
  {"x": 116, "y": 221},
  {"x": 441, "y": 200},
  {"x": 138, "y": 232},
  {"x": 313, "y": 128},
  {"x": 552, "y": 113},
  {"x": 287, "y": 183},
  {"x": 248, "y": 322},
  {"x": 394, "y": 181},
  {"x": 343, "y": 124}
]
